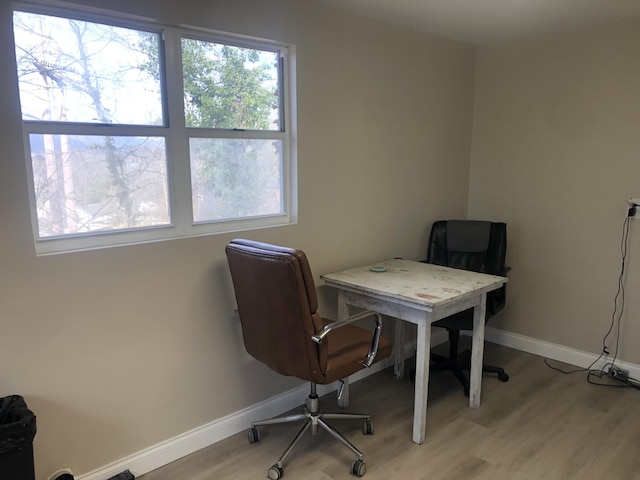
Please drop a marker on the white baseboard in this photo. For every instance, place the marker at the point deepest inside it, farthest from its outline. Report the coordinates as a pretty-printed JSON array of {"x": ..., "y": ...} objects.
[
  {"x": 553, "y": 351},
  {"x": 189, "y": 442},
  {"x": 170, "y": 450}
]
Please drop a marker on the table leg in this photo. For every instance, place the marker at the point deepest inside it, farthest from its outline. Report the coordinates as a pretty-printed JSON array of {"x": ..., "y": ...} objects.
[
  {"x": 343, "y": 307},
  {"x": 398, "y": 350},
  {"x": 343, "y": 312},
  {"x": 477, "y": 352},
  {"x": 343, "y": 393},
  {"x": 422, "y": 382}
]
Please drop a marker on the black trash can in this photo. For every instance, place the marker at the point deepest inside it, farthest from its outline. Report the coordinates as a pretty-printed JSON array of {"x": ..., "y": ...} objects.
[{"x": 17, "y": 431}]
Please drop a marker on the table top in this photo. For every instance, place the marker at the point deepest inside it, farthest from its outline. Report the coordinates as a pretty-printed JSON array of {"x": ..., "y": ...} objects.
[{"x": 416, "y": 282}]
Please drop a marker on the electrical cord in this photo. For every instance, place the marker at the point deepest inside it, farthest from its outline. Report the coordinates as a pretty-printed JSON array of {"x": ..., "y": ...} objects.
[
  {"x": 599, "y": 373},
  {"x": 623, "y": 382},
  {"x": 565, "y": 372},
  {"x": 628, "y": 382},
  {"x": 619, "y": 294}
]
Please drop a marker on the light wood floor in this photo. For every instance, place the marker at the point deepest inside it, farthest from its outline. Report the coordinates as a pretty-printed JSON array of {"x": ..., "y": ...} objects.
[{"x": 541, "y": 425}]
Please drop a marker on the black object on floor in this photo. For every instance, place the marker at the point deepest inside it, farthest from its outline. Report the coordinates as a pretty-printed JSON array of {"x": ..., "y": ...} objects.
[
  {"x": 17, "y": 430},
  {"x": 126, "y": 475}
]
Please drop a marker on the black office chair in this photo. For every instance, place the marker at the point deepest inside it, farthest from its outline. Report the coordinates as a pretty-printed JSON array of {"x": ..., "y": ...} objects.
[{"x": 480, "y": 247}]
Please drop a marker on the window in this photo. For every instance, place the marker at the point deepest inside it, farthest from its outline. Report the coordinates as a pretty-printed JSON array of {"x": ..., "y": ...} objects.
[{"x": 137, "y": 132}]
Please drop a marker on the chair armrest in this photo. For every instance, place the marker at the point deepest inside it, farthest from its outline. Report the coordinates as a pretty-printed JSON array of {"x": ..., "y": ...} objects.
[{"x": 373, "y": 349}]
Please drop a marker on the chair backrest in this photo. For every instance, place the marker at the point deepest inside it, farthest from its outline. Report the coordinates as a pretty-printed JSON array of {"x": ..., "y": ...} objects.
[
  {"x": 277, "y": 304},
  {"x": 472, "y": 245}
]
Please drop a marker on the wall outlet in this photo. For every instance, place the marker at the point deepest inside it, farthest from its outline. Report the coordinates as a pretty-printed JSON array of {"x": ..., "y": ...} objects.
[{"x": 633, "y": 207}]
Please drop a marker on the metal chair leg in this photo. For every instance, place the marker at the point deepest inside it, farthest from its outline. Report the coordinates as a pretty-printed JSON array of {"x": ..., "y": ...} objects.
[{"x": 312, "y": 419}]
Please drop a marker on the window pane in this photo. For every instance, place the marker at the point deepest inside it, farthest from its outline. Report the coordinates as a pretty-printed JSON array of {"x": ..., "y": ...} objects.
[
  {"x": 76, "y": 71},
  {"x": 230, "y": 87},
  {"x": 235, "y": 178},
  {"x": 94, "y": 183}
]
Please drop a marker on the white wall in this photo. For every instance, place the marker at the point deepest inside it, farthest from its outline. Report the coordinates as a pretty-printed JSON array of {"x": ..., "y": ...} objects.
[
  {"x": 556, "y": 154},
  {"x": 118, "y": 349}
]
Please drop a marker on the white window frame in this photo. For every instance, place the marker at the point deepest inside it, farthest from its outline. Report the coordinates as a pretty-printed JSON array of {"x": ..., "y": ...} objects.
[{"x": 177, "y": 137}]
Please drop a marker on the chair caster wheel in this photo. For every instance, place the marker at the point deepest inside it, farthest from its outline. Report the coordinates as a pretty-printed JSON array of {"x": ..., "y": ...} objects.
[
  {"x": 503, "y": 377},
  {"x": 367, "y": 428},
  {"x": 253, "y": 435},
  {"x": 275, "y": 473},
  {"x": 359, "y": 468}
]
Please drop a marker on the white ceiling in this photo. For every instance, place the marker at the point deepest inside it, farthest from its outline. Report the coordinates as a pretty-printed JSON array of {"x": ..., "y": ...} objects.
[{"x": 484, "y": 21}]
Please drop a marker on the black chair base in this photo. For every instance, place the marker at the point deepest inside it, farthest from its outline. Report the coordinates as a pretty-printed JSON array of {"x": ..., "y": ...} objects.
[
  {"x": 461, "y": 363},
  {"x": 458, "y": 363}
]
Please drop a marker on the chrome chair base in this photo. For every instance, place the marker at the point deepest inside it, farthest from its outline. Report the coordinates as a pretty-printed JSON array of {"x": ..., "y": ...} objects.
[{"x": 313, "y": 419}]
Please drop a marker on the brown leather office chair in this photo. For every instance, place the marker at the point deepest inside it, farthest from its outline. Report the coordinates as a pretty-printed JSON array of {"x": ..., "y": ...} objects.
[{"x": 281, "y": 328}]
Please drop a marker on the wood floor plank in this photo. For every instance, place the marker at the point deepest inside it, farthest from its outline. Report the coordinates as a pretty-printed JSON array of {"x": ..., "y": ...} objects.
[{"x": 539, "y": 425}]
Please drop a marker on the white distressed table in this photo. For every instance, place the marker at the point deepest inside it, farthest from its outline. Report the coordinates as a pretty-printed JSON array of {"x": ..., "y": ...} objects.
[{"x": 419, "y": 293}]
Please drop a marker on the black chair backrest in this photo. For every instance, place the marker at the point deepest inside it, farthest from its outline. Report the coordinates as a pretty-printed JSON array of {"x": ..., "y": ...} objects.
[{"x": 472, "y": 245}]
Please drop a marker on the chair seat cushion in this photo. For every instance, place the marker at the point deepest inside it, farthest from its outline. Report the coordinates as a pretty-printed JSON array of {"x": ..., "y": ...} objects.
[
  {"x": 348, "y": 347},
  {"x": 458, "y": 321}
]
